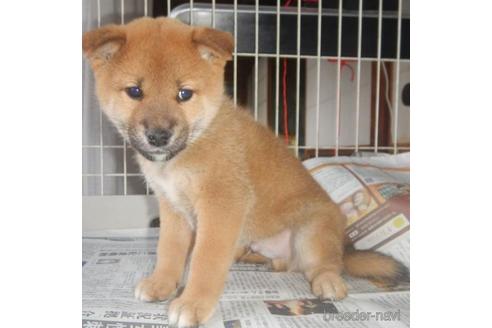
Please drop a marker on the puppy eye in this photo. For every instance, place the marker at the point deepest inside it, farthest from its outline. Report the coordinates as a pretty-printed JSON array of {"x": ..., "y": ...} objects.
[
  {"x": 134, "y": 92},
  {"x": 185, "y": 94}
]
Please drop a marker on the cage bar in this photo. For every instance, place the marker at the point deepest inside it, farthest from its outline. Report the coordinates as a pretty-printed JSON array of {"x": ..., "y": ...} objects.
[
  {"x": 168, "y": 8},
  {"x": 388, "y": 148},
  {"x": 378, "y": 76},
  {"x": 256, "y": 58},
  {"x": 114, "y": 174},
  {"x": 213, "y": 13},
  {"x": 338, "y": 100},
  {"x": 98, "y": 13},
  {"x": 101, "y": 140},
  {"x": 191, "y": 12},
  {"x": 277, "y": 70},
  {"x": 146, "y": 13},
  {"x": 397, "y": 77},
  {"x": 104, "y": 146},
  {"x": 122, "y": 16},
  {"x": 125, "y": 180},
  {"x": 363, "y": 59},
  {"x": 298, "y": 73},
  {"x": 318, "y": 75},
  {"x": 359, "y": 64},
  {"x": 235, "y": 56},
  {"x": 381, "y": 148}
]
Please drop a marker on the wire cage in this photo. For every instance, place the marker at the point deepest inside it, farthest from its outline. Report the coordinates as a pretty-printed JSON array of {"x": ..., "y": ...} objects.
[{"x": 330, "y": 77}]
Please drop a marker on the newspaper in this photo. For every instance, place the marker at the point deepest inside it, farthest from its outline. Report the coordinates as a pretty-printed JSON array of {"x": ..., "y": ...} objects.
[
  {"x": 113, "y": 263},
  {"x": 374, "y": 195}
]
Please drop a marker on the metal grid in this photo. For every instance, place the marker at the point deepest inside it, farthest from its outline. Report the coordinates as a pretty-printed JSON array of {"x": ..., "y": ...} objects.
[
  {"x": 108, "y": 168},
  {"x": 127, "y": 179}
]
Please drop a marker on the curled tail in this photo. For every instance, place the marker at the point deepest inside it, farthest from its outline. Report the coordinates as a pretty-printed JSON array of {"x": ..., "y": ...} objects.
[{"x": 375, "y": 266}]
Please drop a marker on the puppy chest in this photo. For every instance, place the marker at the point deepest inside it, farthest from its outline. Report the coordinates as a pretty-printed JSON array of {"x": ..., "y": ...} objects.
[{"x": 173, "y": 188}]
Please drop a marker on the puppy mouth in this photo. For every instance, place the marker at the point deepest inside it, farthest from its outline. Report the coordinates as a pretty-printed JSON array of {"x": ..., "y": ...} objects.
[{"x": 158, "y": 154}]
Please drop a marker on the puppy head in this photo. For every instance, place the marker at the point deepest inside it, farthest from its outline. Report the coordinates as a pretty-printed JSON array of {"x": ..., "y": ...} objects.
[{"x": 158, "y": 80}]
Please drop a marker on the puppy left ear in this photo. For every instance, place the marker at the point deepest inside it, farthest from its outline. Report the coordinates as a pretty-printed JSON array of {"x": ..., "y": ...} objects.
[{"x": 213, "y": 44}]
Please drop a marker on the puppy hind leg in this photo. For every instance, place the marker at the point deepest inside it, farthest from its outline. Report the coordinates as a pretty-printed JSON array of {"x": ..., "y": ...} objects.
[
  {"x": 319, "y": 255},
  {"x": 254, "y": 258},
  {"x": 280, "y": 265},
  {"x": 245, "y": 255}
]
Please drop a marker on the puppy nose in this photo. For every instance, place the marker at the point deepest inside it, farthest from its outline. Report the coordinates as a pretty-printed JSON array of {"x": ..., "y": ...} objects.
[{"x": 158, "y": 137}]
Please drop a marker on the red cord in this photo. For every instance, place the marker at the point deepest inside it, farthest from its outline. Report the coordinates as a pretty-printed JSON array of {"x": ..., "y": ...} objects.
[
  {"x": 344, "y": 63},
  {"x": 284, "y": 92},
  {"x": 287, "y": 3}
]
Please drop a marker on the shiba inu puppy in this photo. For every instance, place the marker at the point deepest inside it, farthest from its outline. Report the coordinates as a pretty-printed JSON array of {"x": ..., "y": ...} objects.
[{"x": 228, "y": 188}]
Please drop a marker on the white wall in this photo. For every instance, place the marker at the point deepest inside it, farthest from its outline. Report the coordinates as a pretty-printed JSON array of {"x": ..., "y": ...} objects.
[
  {"x": 327, "y": 115},
  {"x": 262, "y": 91},
  {"x": 403, "y": 111}
]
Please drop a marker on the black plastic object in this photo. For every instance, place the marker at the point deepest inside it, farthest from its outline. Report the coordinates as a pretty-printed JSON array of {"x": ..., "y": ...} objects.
[
  {"x": 405, "y": 95},
  {"x": 267, "y": 17}
]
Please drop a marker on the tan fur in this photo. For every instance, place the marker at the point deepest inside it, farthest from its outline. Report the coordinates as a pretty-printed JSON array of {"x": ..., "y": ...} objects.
[{"x": 232, "y": 182}]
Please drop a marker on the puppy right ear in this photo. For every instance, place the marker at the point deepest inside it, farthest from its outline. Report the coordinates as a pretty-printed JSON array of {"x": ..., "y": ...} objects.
[{"x": 102, "y": 44}]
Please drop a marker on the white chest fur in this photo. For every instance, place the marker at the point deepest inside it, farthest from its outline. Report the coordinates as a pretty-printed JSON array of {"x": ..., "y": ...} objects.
[{"x": 172, "y": 184}]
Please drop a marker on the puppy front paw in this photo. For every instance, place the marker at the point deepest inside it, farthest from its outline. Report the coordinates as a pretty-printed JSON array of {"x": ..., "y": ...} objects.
[
  {"x": 155, "y": 288},
  {"x": 190, "y": 311},
  {"x": 329, "y": 285}
]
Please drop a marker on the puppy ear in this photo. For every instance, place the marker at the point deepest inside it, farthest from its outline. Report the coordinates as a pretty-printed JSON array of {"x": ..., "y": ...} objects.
[
  {"x": 102, "y": 44},
  {"x": 213, "y": 44}
]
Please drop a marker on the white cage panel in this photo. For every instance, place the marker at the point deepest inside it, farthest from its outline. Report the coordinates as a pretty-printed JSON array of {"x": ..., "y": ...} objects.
[{"x": 331, "y": 103}]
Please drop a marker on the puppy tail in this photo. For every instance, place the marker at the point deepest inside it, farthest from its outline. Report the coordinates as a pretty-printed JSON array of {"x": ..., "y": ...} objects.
[{"x": 375, "y": 266}]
